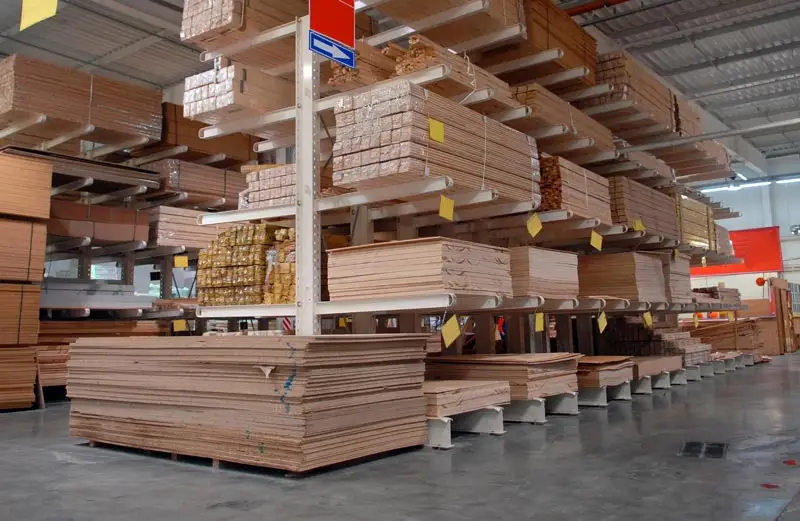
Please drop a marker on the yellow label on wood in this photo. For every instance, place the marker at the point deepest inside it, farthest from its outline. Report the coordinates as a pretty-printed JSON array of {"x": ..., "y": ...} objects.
[
  {"x": 696, "y": 320},
  {"x": 181, "y": 261},
  {"x": 436, "y": 130},
  {"x": 596, "y": 241},
  {"x": 179, "y": 326},
  {"x": 648, "y": 319},
  {"x": 539, "y": 325},
  {"x": 451, "y": 330},
  {"x": 638, "y": 225},
  {"x": 534, "y": 225},
  {"x": 447, "y": 208},
  {"x": 602, "y": 322},
  {"x": 676, "y": 254},
  {"x": 34, "y": 11}
]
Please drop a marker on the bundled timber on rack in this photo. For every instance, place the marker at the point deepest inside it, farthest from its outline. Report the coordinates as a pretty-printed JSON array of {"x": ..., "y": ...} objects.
[
  {"x": 566, "y": 186},
  {"x": 26, "y": 187},
  {"x": 451, "y": 397},
  {"x": 399, "y": 133},
  {"x": 632, "y": 201},
  {"x": 418, "y": 267},
  {"x": 724, "y": 244},
  {"x": 294, "y": 403},
  {"x": 178, "y": 227},
  {"x": 372, "y": 66},
  {"x": 529, "y": 375},
  {"x": 602, "y": 371},
  {"x": 677, "y": 276},
  {"x": 17, "y": 377},
  {"x": 633, "y": 276},
  {"x": 696, "y": 221},
  {"x": 655, "y": 365},
  {"x": 100, "y": 223},
  {"x": 65, "y": 332},
  {"x": 276, "y": 185},
  {"x": 547, "y": 273},
  {"x": 22, "y": 245},
  {"x": 19, "y": 314},
  {"x": 51, "y": 361},
  {"x": 703, "y": 161},
  {"x": 629, "y": 336},
  {"x": 730, "y": 336},
  {"x": 204, "y": 184},
  {"x": 725, "y": 296},
  {"x": 687, "y": 120}
]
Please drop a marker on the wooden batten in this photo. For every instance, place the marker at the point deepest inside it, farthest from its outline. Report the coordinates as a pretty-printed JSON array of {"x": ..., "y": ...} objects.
[{"x": 567, "y": 186}]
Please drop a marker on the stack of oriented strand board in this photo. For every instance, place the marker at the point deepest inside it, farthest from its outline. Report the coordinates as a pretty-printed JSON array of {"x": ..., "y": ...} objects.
[
  {"x": 402, "y": 133},
  {"x": 17, "y": 377},
  {"x": 429, "y": 266},
  {"x": 65, "y": 332},
  {"x": 566, "y": 186},
  {"x": 51, "y": 361},
  {"x": 729, "y": 336},
  {"x": 451, "y": 397},
  {"x": 628, "y": 275},
  {"x": 724, "y": 244},
  {"x": 631, "y": 201},
  {"x": 696, "y": 221},
  {"x": 655, "y": 365},
  {"x": 294, "y": 403},
  {"x": 22, "y": 245},
  {"x": 372, "y": 66},
  {"x": 547, "y": 273},
  {"x": 602, "y": 371},
  {"x": 200, "y": 181},
  {"x": 100, "y": 223},
  {"x": 529, "y": 375},
  {"x": 178, "y": 227},
  {"x": 677, "y": 278}
]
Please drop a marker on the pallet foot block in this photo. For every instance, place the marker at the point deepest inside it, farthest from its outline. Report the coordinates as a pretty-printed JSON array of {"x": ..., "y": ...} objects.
[
  {"x": 565, "y": 404},
  {"x": 679, "y": 377},
  {"x": 526, "y": 411}
]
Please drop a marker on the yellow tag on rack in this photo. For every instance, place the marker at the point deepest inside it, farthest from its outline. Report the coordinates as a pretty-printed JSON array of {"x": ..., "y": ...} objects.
[
  {"x": 731, "y": 316},
  {"x": 539, "y": 325},
  {"x": 179, "y": 326},
  {"x": 180, "y": 261},
  {"x": 342, "y": 322},
  {"x": 35, "y": 11},
  {"x": 638, "y": 225},
  {"x": 602, "y": 322},
  {"x": 451, "y": 330},
  {"x": 436, "y": 130},
  {"x": 596, "y": 241},
  {"x": 676, "y": 254},
  {"x": 534, "y": 225},
  {"x": 447, "y": 208},
  {"x": 696, "y": 320},
  {"x": 648, "y": 319}
]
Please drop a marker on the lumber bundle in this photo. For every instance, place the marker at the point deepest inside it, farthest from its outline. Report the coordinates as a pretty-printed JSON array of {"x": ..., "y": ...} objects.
[
  {"x": 724, "y": 244},
  {"x": 673, "y": 341},
  {"x": 566, "y": 186},
  {"x": 17, "y": 377},
  {"x": 529, "y": 375},
  {"x": 276, "y": 185},
  {"x": 696, "y": 221},
  {"x": 632, "y": 201},
  {"x": 730, "y": 336},
  {"x": 721, "y": 294},
  {"x": 703, "y": 161},
  {"x": 687, "y": 120},
  {"x": 19, "y": 314},
  {"x": 26, "y": 187},
  {"x": 602, "y": 371},
  {"x": 629, "y": 336},
  {"x": 548, "y": 273},
  {"x": 429, "y": 266},
  {"x": 451, "y": 397},
  {"x": 201, "y": 182},
  {"x": 54, "y": 332},
  {"x": 178, "y": 227},
  {"x": 401, "y": 133},
  {"x": 655, "y": 365},
  {"x": 677, "y": 278},
  {"x": 22, "y": 245},
  {"x": 51, "y": 361},
  {"x": 372, "y": 66},
  {"x": 103, "y": 224},
  {"x": 293, "y": 403},
  {"x": 628, "y": 275}
]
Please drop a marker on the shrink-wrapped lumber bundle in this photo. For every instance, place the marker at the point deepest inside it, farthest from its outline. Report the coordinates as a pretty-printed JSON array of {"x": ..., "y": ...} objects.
[
  {"x": 529, "y": 375},
  {"x": 26, "y": 187},
  {"x": 372, "y": 66},
  {"x": 294, "y": 403},
  {"x": 633, "y": 276},
  {"x": 677, "y": 277},
  {"x": 100, "y": 223},
  {"x": 401, "y": 133},
  {"x": 696, "y": 221},
  {"x": 451, "y": 397},
  {"x": 632, "y": 202},
  {"x": 276, "y": 185},
  {"x": 51, "y": 361},
  {"x": 178, "y": 227},
  {"x": 22, "y": 245},
  {"x": 201, "y": 182},
  {"x": 19, "y": 314},
  {"x": 547, "y": 273},
  {"x": 566, "y": 186},
  {"x": 724, "y": 244},
  {"x": 54, "y": 332},
  {"x": 426, "y": 266},
  {"x": 17, "y": 377},
  {"x": 602, "y": 371},
  {"x": 655, "y": 365}
]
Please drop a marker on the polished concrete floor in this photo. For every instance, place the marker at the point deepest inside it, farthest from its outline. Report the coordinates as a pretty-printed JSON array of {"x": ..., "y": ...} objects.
[{"x": 614, "y": 464}]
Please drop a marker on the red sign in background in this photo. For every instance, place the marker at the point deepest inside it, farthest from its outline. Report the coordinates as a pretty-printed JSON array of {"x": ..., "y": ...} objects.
[
  {"x": 335, "y": 19},
  {"x": 760, "y": 248}
]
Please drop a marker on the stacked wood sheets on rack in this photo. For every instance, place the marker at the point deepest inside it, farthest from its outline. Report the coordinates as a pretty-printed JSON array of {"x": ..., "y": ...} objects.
[
  {"x": 17, "y": 377},
  {"x": 628, "y": 275},
  {"x": 451, "y": 397},
  {"x": 655, "y": 365},
  {"x": 632, "y": 201},
  {"x": 372, "y": 66},
  {"x": 602, "y": 371},
  {"x": 677, "y": 278},
  {"x": 696, "y": 221},
  {"x": 65, "y": 332},
  {"x": 730, "y": 336},
  {"x": 51, "y": 361},
  {"x": 103, "y": 224},
  {"x": 567, "y": 186},
  {"x": 205, "y": 185},
  {"x": 178, "y": 227},
  {"x": 547, "y": 273}
]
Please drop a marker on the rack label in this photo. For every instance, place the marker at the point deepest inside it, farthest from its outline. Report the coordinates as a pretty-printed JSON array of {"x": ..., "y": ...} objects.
[
  {"x": 534, "y": 225},
  {"x": 179, "y": 326},
  {"x": 539, "y": 325},
  {"x": 648, "y": 319},
  {"x": 447, "y": 208},
  {"x": 180, "y": 261},
  {"x": 35, "y": 11},
  {"x": 602, "y": 322},
  {"x": 451, "y": 330},
  {"x": 596, "y": 241},
  {"x": 436, "y": 130},
  {"x": 638, "y": 225}
]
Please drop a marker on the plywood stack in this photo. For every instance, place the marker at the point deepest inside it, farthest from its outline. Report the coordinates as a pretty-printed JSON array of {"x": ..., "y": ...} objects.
[
  {"x": 529, "y": 375},
  {"x": 102, "y": 224},
  {"x": 721, "y": 294},
  {"x": 66, "y": 332},
  {"x": 178, "y": 227},
  {"x": 602, "y": 371},
  {"x": 730, "y": 336},
  {"x": 451, "y": 397},
  {"x": 372, "y": 66},
  {"x": 633, "y": 276},
  {"x": 429, "y": 266},
  {"x": 566, "y": 186},
  {"x": 655, "y": 365},
  {"x": 51, "y": 362},
  {"x": 696, "y": 221},
  {"x": 202, "y": 183},
  {"x": 547, "y": 273},
  {"x": 724, "y": 244},
  {"x": 677, "y": 277},
  {"x": 17, "y": 377},
  {"x": 632, "y": 201}
]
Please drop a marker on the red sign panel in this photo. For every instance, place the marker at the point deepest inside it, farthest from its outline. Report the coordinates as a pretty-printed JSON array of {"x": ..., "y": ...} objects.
[
  {"x": 760, "y": 248},
  {"x": 335, "y": 19}
]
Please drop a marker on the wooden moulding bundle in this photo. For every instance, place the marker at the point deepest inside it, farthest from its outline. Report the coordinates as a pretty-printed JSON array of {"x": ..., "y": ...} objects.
[
  {"x": 100, "y": 223},
  {"x": 178, "y": 227},
  {"x": 529, "y": 375},
  {"x": 17, "y": 377},
  {"x": 702, "y": 161},
  {"x": 22, "y": 245},
  {"x": 372, "y": 66},
  {"x": 693, "y": 351},
  {"x": 201, "y": 181},
  {"x": 451, "y": 397},
  {"x": 652, "y": 164},
  {"x": 566, "y": 186},
  {"x": 655, "y": 365},
  {"x": 696, "y": 221},
  {"x": 724, "y": 244},
  {"x": 677, "y": 277},
  {"x": 430, "y": 266},
  {"x": 602, "y": 371},
  {"x": 52, "y": 364},
  {"x": 631, "y": 201},
  {"x": 633, "y": 276},
  {"x": 547, "y": 273},
  {"x": 402, "y": 133},
  {"x": 294, "y": 403}
]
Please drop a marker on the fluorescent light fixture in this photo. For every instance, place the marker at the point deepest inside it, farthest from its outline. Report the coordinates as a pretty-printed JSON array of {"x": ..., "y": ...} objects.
[
  {"x": 787, "y": 181},
  {"x": 741, "y": 176},
  {"x": 755, "y": 185},
  {"x": 717, "y": 189}
]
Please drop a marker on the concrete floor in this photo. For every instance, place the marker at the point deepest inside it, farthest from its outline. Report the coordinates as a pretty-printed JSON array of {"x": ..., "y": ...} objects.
[{"x": 614, "y": 464}]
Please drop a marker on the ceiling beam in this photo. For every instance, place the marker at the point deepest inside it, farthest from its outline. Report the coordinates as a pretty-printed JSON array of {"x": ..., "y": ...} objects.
[
  {"x": 727, "y": 60},
  {"x": 748, "y": 82},
  {"x": 139, "y": 14},
  {"x": 758, "y": 115},
  {"x": 123, "y": 52},
  {"x": 771, "y": 96}
]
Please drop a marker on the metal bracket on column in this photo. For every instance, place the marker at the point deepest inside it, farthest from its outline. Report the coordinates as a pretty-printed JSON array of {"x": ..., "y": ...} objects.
[
  {"x": 719, "y": 367},
  {"x": 488, "y": 420},
  {"x": 730, "y": 365},
  {"x": 739, "y": 360},
  {"x": 693, "y": 373},
  {"x": 593, "y": 397},
  {"x": 707, "y": 369},
  {"x": 620, "y": 392},
  {"x": 749, "y": 359}
]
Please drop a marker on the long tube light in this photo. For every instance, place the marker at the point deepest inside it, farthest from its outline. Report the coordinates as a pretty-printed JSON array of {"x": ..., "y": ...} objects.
[
  {"x": 736, "y": 188},
  {"x": 787, "y": 181}
]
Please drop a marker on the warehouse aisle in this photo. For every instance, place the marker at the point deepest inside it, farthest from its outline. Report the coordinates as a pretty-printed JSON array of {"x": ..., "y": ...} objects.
[{"x": 618, "y": 464}]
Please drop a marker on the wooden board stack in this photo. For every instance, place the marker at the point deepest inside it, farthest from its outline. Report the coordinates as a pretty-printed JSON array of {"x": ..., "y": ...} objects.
[
  {"x": 22, "y": 245},
  {"x": 704, "y": 161},
  {"x": 102, "y": 224},
  {"x": 603, "y": 371},
  {"x": 687, "y": 120},
  {"x": 566, "y": 186},
  {"x": 696, "y": 221},
  {"x": 426, "y": 266},
  {"x": 178, "y": 227},
  {"x": 372, "y": 66},
  {"x": 17, "y": 377},
  {"x": 65, "y": 332},
  {"x": 276, "y": 185},
  {"x": 628, "y": 275},
  {"x": 730, "y": 336},
  {"x": 677, "y": 277},
  {"x": 721, "y": 294},
  {"x": 547, "y": 273},
  {"x": 451, "y": 397},
  {"x": 293, "y": 403},
  {"x": 402, "y": 133},
  {"x": 674, "y": 342},
  {"x": 204, "y": 184},
  {"x": 51, "y": 362},
  {"x": 529, "y": 375},
  {"x": 632, "y": 201},
  {"x": 629, "y": 336},
  {"x": 724, "y": 244},
  {"x": 655, "y": 365}
]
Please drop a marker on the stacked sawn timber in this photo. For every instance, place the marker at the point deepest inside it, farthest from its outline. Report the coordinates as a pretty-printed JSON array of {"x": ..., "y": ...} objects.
[
  {"x": 696, "y": 221},
  {"x": 178, "y": 227},
  {"x": 51, "y": 361},
  {"x": 677, "y": 278},
  {"x": 730, "y": 336},
  {"x": 673, "y": 341},
  {"x": 632, "y": 201},
  {"x": 451, "y": 397},
  {"x": 567, "y": 186},
  {"x": 547, "y": 273},
  {"x": 372, "y": 66},
  {"x": 602, "y": 371},
  {"x": 723, "y": 295},
  {"x": 65, "y": 332},
  {"x": 628, "y": 275},
  {"x": 202, "y": 183},
  {"x": 293, "y": 403},
  {"x": 101, "y": 223}
]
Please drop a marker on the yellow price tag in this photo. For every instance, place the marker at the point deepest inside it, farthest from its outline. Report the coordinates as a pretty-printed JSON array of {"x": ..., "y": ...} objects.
[
  {"x": 602, "y": 322},
  {"x": 696, "y": 320},
  {"x": 638, "y": 225},
  {"x": 534, "y": 225},
  {"x": 539, "y": 325},
  {"x": 447, "y": 208},
  {"x": 180, "y": 261},
  {"x": 648, "y": 319},
  {"x": 451, "y": 330},
  {"x": 436, "y": 130},
  {"x": 179, "y": 326},
  {"x": 676, "y": 254},
  {"x": 35, "y": 11},
  {"x": 342, "y": 322},
  {"x": 596, "y": 241}
]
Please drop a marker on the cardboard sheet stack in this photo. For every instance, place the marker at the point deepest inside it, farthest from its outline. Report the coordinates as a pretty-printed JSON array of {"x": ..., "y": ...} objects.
[
  {"x": 632, "y": 201},
  {"x": 655, "y": 365},
  {"x": 529, "y": 375},
  {"x": 677, "y": 277},
  {"x": 402, "y": 133},
  {"x": 293, "y": 403},
  {"x": 178, "y": 227},
  {"x": 633, "y": 276},
  {"x": 102, "y": 224},
  {"x": 203, "y": 184},
  {"x": 729, "y": 336},
  {"x": 696, "y": 221},
  {"x": 603, "y": 371},
  {"x": 724, "y": 244},
  {"x": 547, "y": 273},
  {"x": 566, "y": 186},
  {"x": 451, "y": 397}
]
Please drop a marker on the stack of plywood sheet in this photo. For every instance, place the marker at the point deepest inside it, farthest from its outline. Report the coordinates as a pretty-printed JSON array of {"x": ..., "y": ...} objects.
[
  {"x": 102, "y": 224},
  {"x": 529, "y": 375},
  {"x": 724, "y": 244},
  {"x": 696, "y": 221},
  {"x": 566, "y": 186},
  {"x": 426, "y": 266},
  {"x": 22, "y": 245},
  {"x": 401, "y": 133},
  {"x": 634, "y": 276},
  {"x": 51, "y": 361},
  {"x": 547, "y": 273},
  {"x": 200, "y": 182},
  {"x": 677, "y": 278},
  {"x": 178, "y": 227},
  {"x": 64, "y": 332},
  {"x": 655, "y": 365},
  {"x": 17, "y": 377},
  {"x": 632, "y": 201},
  {"x": 603, "y": 371},
  {"x": 729, "y": 336},
  {"x": 294, "y": 403},
  {"x": 451, "y": 397}
]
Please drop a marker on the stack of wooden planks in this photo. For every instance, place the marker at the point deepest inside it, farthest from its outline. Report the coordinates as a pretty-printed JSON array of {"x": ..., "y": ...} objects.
[
  {"x": 26, "y": 187},
  {"x": 426, "y": 266},
  {"x": 566, "y": 186},
  {"x": 51, "y": 361},
  {"x": 401, "y": 133},
  {"x": 703, "y": 161},
  {"x": 17, "y": 377},
  {"x": 547, "y": 273},
  {"x": 294, "y": 403},
  {"x": 65, "y": 332},
  {"x": 200, "y": 182},
  {"x": 628, "y": 275},
  {"x": 655, "y": 365},
  {"x": 451, "y": 397},
  {"x": 730, "y": 336},
  {"x": 276, "y": 185},
  {"x": 529, "y": 375},
  {"x": 372, "y": 66},
  {"x": 687, "y": 120},
  {"x": 724, "y": 244},
  {"x": 696, "y": 221},
  {"x": 721, "y": 294},
  {"x": 632, "y": 201},
  {"x": 629, "y": 336},
  {"x": 677, "y": 278},
  {"x": 676, "y": 342},
  {"x": 178, "y": 227},
  {"x": 103, "y": 224},
  {"x": 602, "y": 371}
]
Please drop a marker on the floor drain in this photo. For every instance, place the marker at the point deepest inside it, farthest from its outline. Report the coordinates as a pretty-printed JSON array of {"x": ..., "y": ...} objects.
[{"x": 698, "y": 449}]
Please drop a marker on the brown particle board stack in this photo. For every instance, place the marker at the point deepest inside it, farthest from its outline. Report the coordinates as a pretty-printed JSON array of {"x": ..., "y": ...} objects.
[
  {"x": 696, "y": 221},
  {"x": 451, "y": 397},
  {"x": 602, "y": 371},
  {"x": 17, "y": 377},
  {"x": 178, "y": 227},
  {"x": 677, "y": 278},
  {"x": 204, "y": 184},
  {"x": 655, "y": 365},
  {"x": 547, "y": 273},
  {"x": 102, "y": 224},
  {"x": 51, "y": 361},
  {"x": 656, "y": 211},
  {"x": 293, "y": 403},
  {"x": 566, "y": 186},
  {"x": 633, "y": 276}
]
